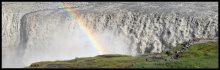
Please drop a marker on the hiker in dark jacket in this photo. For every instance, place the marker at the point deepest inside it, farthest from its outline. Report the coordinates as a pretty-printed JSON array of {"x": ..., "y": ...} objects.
[{"x": 185, "y": 44}]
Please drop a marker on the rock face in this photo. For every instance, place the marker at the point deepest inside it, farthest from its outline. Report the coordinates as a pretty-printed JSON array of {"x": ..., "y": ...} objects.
[{"x": 34, "y": 31}]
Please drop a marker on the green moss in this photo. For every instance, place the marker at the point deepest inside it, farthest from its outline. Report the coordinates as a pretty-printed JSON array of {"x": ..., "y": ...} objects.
[{"x": 203, "y": 55}]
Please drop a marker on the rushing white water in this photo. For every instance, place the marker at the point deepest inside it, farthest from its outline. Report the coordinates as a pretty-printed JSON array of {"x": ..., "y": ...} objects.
[{"x": 33, "y": 32}]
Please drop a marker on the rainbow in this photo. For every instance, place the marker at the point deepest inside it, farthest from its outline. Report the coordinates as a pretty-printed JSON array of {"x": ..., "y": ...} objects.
[{"x": 90, "y": 35}]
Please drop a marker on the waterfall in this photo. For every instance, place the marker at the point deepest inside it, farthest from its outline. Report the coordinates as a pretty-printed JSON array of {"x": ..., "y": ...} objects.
[{"x": 47, "y": 33}]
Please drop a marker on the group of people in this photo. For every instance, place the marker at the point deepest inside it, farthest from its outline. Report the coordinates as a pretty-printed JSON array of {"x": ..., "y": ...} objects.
[
  {"x": 179, "y": 52},
  {"x": 184, "y": 45}
]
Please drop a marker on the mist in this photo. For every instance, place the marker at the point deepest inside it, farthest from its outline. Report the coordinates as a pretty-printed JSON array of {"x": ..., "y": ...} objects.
[{"x": 70, "y": 42}]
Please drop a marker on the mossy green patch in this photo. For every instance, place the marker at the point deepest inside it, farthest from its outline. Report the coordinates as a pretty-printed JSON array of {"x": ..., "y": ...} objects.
[{"x": 201, "y": 55}]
